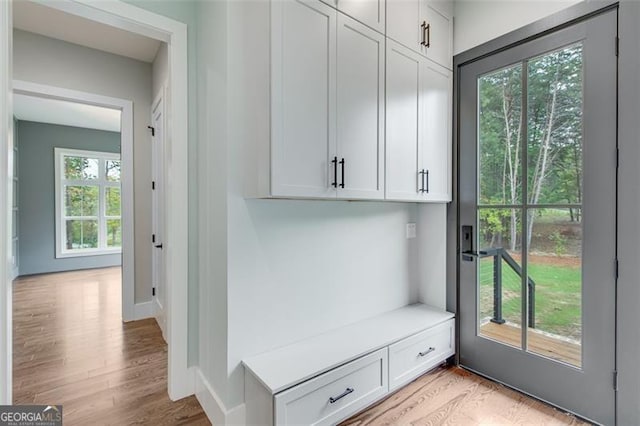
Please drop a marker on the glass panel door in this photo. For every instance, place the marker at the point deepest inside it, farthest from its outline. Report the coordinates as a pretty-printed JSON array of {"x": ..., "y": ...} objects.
[{"x": 538, "y": 216}]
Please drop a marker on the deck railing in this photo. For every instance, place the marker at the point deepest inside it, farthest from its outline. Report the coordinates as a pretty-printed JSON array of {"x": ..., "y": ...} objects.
[{"x": 499, "y": 254}]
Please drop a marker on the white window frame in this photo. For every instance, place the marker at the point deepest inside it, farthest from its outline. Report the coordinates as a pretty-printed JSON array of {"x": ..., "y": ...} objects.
[{"x": 102, "y": 183}]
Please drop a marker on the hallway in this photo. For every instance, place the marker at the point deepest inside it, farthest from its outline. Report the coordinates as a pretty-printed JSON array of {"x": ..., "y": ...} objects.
[{"x": 71, "y": 348}]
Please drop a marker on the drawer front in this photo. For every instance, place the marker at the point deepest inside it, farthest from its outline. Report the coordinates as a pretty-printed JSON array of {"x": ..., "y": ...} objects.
[
  {"x": 415, "y": 355},
  {"x": 336, "y": 394}
]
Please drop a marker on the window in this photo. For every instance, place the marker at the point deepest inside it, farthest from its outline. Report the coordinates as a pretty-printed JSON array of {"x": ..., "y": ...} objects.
[{"x": 88, "y": 218}]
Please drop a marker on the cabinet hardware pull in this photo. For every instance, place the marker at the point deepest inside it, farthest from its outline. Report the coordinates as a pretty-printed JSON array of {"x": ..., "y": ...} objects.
[
  {"x": 427, "y": 186},
  {"x": 342, "y": 395},
  {"x": 427, "y": 352},
  {"x": 428, "y": 44},
  {"x": 335, "y": 172},
  {"x": 158, "y": 246},
  {"x": 424, "y": 30},
  {"x": 421, "y": 174},
  {"x": 342, "y": 164}
]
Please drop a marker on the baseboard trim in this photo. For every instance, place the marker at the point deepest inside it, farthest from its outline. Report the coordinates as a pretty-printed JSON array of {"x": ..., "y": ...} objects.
[
  {"x": 142, "y": 311},
  {"x": 213, "y": 406}
]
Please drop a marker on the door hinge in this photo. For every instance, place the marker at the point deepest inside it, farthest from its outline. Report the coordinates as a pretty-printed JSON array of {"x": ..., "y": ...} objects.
[
  {"x": 153, "y": 184},
  {"x": 153, "y": 238},
  {"x": 617, "y": 46},
  {"x": 153, "y": 130},
  {"x": 153, "y": 291},
  {"x": 615, "y": 381}
]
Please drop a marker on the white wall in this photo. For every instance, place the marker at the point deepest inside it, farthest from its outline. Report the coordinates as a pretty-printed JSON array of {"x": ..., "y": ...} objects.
[
  {"x": 293, "y": 269},
  {"x": 47, "y": 61},
  {"x": 478, "y": 21}
]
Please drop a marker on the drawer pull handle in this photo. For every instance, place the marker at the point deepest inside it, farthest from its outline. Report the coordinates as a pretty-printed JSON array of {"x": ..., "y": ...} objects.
[
  {"x": 342, "y": 395},
  {"x": 427, "y": 352}
]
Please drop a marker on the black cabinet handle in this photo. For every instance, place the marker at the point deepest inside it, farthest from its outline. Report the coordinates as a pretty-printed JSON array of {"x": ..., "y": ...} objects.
[
  {"x": 158, "y": 246},
  {"x": 424, "y": 30},
  {"x": 342, "y": 395},
  {"x": 335, "y": 172},
  {"x": 342, "y": 164},
  {"x": 428, "y": 36},
  {"x": 421, "y": 174},
  {"x": 427, "y": 186}
]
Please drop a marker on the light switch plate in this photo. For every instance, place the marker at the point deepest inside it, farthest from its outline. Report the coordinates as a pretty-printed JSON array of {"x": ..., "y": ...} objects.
[{"x": 411, "y": 230}]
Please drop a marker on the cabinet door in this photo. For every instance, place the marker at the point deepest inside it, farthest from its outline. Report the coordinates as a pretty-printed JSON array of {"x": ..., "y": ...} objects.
[
  {"x": 303, "y": 98},
  {"x": 369, "y": 12},
  {"x": 360, "y": 107},
  {"x": 438, "y": 33},
  {"x": 403, "y": 22},
  {"x": 436, "y": 141},
  {"x": 402, "y": 126}
]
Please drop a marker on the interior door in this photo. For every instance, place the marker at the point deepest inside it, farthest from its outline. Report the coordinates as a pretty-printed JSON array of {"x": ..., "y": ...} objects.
[
  {"x": 360, "y": 110},
  {"x": 537, "y": 176},
  {"x": 157, "y": 190}
]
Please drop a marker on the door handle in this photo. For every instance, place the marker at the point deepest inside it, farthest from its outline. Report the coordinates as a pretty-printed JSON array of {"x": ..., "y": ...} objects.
[
  {"x": 342, "y": 164},
  {"x": 428, "y": 44},
  {"x": 426, "y": 175},
  {"x": 427, "y": 352},
  {"x": 158, "y": 246},
  {"x": 422, "y": 187}
]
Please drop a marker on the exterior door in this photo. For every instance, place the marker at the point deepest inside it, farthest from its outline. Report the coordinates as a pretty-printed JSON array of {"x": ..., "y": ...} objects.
[
  {"x": 157, "y": 187},
  {"x": 537, "y": 173}
]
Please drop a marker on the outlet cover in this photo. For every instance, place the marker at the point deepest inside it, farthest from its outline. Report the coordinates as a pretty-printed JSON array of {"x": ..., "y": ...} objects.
[{"x": 411, "y": 230}]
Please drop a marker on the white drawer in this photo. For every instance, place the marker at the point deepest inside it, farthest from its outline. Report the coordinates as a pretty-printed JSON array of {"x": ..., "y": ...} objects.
[
  {"x": 414, "y": 355},
  {"x": 336, "y": 394}
]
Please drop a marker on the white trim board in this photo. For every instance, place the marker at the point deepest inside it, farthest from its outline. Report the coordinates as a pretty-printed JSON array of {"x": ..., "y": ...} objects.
[
  {"x": 213, "y": 406},
  {"x": 126, "y": 180},
  {"x": 6, "y": 184},
  {"x": 181, "y": 378}
]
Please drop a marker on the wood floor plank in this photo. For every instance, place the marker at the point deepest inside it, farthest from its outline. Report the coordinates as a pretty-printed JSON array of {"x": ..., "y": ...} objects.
[
  {"x": 453, "y": 396},
  {"x": 71, "y": 348}
]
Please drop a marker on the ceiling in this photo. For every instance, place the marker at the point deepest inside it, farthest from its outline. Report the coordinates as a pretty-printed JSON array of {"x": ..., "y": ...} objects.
[
  {"x": 53, "y": 111},
  {"x": 39, "y": 19}
]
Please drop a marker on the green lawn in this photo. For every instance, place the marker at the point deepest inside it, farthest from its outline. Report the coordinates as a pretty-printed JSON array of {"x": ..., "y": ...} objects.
[{"x": 557, "y": 296}]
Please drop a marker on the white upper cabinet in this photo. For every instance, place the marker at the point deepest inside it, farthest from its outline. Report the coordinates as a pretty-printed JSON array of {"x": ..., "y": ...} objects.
[
  {"x": 422, "y": 26},
  {"x": 360, "y": 111},
  {"x": 438, "y": 32},
  {"x": 403, "y": 118},
  {"x": 369, "y": 12},
  {"x": 418, "y": 142},
  {"x": 436, "y": 132},
  {"x": 303, "y": 99}
]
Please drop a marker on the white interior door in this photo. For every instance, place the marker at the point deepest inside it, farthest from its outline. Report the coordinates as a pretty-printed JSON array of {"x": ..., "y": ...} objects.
[
  {"x": 360, "y": 104},
  {"x": 157, "y": 188}
]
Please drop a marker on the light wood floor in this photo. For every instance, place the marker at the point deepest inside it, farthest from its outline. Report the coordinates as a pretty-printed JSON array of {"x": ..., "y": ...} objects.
[
  {"x": 538, "y": 343},
  {"x": 452, "y": 396},
  {"x": 71, "y": 348}
]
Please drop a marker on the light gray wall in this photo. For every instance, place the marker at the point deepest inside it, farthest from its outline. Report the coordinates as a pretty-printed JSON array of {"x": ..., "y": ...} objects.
[
  {"x": 478, "y": 21},
  {"x": 47, "y": 61},
  {"x": 277, "y": 270},
  {"x": 36, "y": 194},
  {"x": 185, "y": 11}
]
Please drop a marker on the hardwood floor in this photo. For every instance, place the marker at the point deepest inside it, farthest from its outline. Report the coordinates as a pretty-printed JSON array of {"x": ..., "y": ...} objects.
[
  {"x": 452, "y": 396},
  {"x": 538, "y": 343},
  {"x": 71, "y": 347}
]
